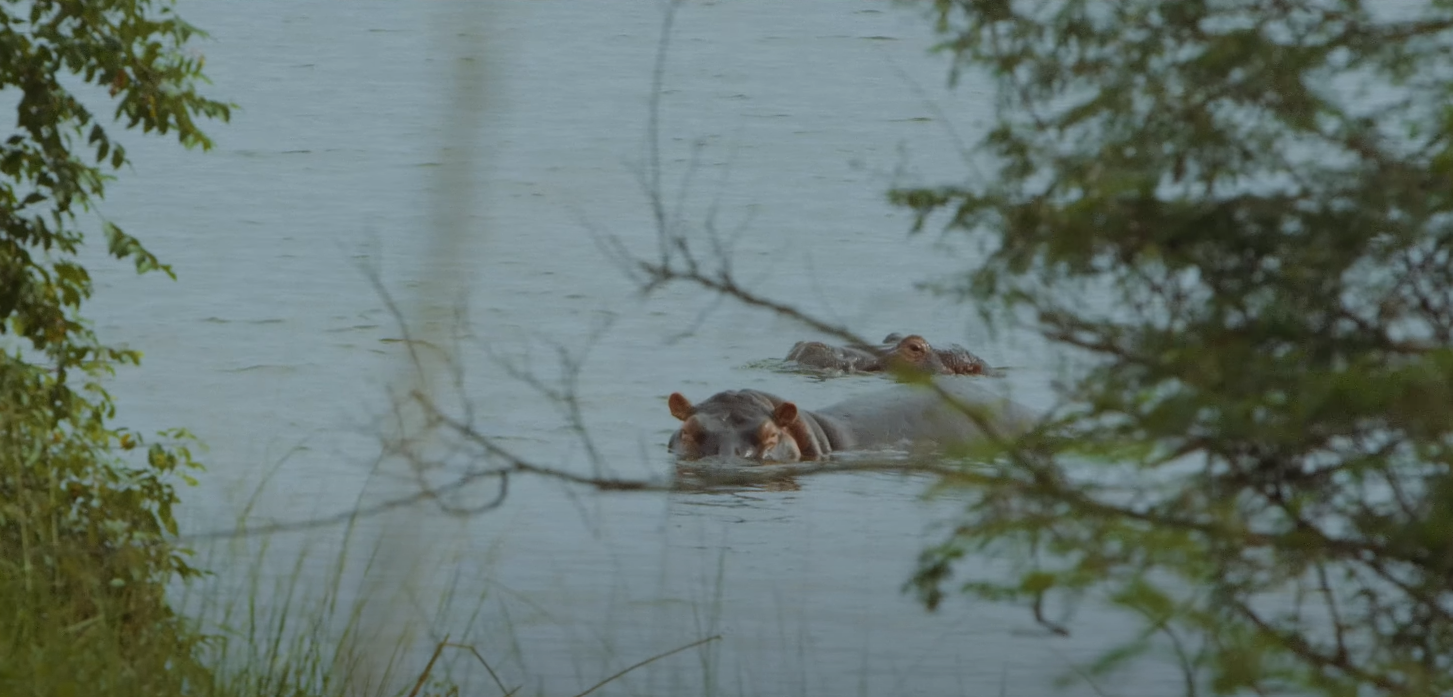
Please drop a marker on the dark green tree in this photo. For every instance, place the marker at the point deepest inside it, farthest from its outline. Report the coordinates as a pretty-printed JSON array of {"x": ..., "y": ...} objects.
[
  {"x": 85, "y": 506},
  {"x": 1238, "y": 214}
]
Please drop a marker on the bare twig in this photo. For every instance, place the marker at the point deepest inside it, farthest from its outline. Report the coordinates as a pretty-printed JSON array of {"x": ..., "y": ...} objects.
[
  {"x": 565, "y": 396},
  {"x": 652, "y": 659},
  {"x": 424, "y": 676},
  {"x": 439, "y": 649},
  {"x": 1300, "y": 647},
  {"x": 653, "y": 123},
  {"x": 493, "y": 675}
]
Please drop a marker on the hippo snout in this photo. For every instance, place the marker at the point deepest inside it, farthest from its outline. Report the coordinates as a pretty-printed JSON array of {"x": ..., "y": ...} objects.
[
  {"x": 738, "y": 456},
  {"x": 702, "y": 445}
]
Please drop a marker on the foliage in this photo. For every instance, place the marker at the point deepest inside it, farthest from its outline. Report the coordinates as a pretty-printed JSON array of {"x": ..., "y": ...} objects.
[
  {"x": 1241, "y": 213},
  {"x": 85, "y": 506}
]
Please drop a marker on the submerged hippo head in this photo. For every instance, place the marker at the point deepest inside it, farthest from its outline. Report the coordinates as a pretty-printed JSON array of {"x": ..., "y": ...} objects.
[
  {"x": 954, "y": 360},
  {"x": 915, "y": 352},
  {"x": 958, "y": 361},
  {"x": 741, "y": 423}
]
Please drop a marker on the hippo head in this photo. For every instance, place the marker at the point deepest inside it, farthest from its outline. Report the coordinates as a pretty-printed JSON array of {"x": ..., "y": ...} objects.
[
  {"x": 959, "y": 361},
  {"x": 744, "y": 423},
  {"x": 913, "y": 351}
]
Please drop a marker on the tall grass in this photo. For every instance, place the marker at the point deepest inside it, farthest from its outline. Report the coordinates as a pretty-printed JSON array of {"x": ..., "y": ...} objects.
[
  {"x": 295, "y": 634},
  {"x": 84, "y": 638}
]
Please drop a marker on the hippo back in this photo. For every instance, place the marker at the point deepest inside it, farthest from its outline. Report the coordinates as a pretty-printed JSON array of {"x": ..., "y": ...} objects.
[
  {"x": 820, "y": 356},
  {"x": 914, "y": 413}
]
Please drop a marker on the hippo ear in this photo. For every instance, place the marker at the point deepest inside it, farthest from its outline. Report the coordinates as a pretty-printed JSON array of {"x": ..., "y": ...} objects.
[
  {"x": 785, "y": 414},
  {"x": 680, "y": 406}
]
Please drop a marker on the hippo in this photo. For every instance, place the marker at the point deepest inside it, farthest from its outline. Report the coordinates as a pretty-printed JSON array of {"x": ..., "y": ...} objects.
[
  {"x": 956, "y": 359},
  {"x": 912, "y": 351},
  {"x": 759, "y": 426}
]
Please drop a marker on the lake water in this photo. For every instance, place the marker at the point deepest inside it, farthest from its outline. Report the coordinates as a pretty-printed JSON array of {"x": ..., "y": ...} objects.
[{"x": 792, "y": 118}]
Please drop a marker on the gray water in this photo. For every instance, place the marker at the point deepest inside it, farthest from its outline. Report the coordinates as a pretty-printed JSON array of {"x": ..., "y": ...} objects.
[{"x": 274, "y": 349}]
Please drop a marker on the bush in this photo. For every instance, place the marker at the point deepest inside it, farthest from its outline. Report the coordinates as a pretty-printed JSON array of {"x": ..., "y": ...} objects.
[
  {"x": 85, "y": 506},
  {"x": 1241, "y": 214}
]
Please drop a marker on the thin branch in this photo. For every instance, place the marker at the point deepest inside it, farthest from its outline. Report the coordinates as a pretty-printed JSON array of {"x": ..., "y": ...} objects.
[
  {"x": 346, "y": 516},
  {"x": 725, "y": 284},
  {"x": 1338, "y": 628},
  {"x": 424, "y": 676},
  {"x": 652, "y": 659},
  {"x": 1299, "y": 646},
  {"x": 653, "y": 122},
  {"x": 493, "y": 675}
]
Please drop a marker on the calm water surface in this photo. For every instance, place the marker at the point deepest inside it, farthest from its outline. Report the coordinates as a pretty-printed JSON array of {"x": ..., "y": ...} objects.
[{"x": 275, "y": 350}]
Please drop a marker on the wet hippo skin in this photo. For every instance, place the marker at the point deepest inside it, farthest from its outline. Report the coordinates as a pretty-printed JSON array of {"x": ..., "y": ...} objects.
[
  {"x": 895, "y": 351},
  {"x": 764, "y": 427}
]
